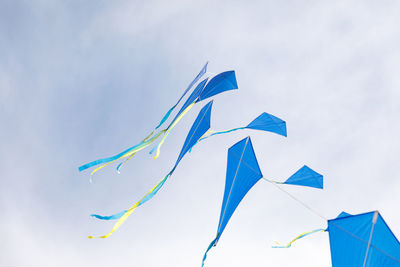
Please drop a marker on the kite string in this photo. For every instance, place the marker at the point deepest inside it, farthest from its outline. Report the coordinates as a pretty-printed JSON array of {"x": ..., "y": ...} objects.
[
  {"x": 276, "y": 185},
  {"x": 299, "y": 201}
]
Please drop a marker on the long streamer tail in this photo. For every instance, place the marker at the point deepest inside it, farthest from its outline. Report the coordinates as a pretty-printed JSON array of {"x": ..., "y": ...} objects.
[
  {"x": 221, "y": 132},
  {"x": 213, "y": 243},
  {"x": 298, "y": 237},
  {"x": 210, "y": 133},
  {"x": 122, "y": 216},
  {"x": 165, "y": 117},
  {"x": 111, "y": 217},
  {"x": 124, "y": 162},
  {"x": 126, "y": 153},
  {"x": 170, "y": 128}
]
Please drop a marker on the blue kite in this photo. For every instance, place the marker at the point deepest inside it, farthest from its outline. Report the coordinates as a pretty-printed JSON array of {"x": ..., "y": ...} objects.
[
  {"x": 242, "y": 173},
  {"x": 360, "y": 240}
]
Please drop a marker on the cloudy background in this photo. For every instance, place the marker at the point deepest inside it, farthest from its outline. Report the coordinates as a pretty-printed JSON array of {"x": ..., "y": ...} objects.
[{"x": 83, "y": 80}]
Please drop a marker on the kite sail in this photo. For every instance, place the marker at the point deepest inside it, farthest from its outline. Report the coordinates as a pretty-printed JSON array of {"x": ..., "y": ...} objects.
[
  {"x": 264, "y": 122},
  {"x": 305, "y": 176},
  {"x": 360, "y": 240},
  {"x": 242, "y": 174},
  {"x": 199, "y": 127}
]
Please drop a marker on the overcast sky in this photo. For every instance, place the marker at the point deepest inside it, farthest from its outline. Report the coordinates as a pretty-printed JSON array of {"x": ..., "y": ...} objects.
[{"x": 84, "y": 80}]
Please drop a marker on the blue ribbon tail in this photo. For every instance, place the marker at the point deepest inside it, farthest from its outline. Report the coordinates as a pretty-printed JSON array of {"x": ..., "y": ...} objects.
[
  {"x": 111, "y": 217},
  {"x": 165, "y": 117},
  {"x": 213, "y": 243}
]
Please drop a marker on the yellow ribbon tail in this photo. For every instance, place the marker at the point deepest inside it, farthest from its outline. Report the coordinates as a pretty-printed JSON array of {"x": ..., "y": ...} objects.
[
  {"x": 122, "y": 163},
  {"x": 297, "y": 238},
  {"x": 143, "y": 200},
  {"x": 170, "y": 128}
]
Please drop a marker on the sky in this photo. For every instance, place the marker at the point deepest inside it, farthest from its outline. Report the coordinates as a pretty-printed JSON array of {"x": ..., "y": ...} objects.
[{"x": 84, "y": 80}]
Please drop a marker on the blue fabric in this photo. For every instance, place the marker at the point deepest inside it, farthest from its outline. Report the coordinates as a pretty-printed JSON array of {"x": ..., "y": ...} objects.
[
  {"x": 222, "y": 82},
  {"x": 343, "y": 214},
  {"x": 199, "y": 128},
  {"x": 241, "y": 174},
  {"x": 106, "y": 160},
  {"x": 306, "y": 177},
  {"x": 349, "y": 236},
  {"x": 270, "y": 123},
  {"x": 201, "y": 73},
  {"x": 111, "y": 217},
  {"x": 192, "y": 98}
]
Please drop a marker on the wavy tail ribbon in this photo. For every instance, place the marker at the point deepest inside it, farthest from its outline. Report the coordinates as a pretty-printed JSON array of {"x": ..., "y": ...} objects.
[
  {"x": 199, "y": 127},
  {"x": 123, "y": 215},
  {"x": 298, "y": 237},
  {"x": 212, "y": 244}
]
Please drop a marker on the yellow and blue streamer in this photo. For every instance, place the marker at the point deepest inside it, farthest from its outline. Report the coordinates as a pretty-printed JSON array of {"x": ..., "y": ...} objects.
[
  {"x": 298, "y": 237},
  {"x": 122, "y": 216}
]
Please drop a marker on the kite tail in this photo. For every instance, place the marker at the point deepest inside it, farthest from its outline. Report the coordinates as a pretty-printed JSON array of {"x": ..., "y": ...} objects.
[
  {"x": 298, "y": 237},
  {"x": 111, "y": 217},
  {"x": 165, "y": 117},
  {"x": 212, "y": 244},
  {"x": 122, "y": 163},
  {"x": 122, "y": 216},
  {"x": 170, "y": 128},
  {"x": 210, "y": 133},
  {"x": 222, "y": 132},
  {"x": 128, "y": 152}
]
